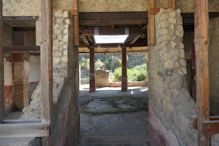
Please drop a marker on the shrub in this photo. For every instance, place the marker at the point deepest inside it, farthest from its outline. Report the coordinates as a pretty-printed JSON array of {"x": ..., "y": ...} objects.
[{"x": 138, "y": 73}]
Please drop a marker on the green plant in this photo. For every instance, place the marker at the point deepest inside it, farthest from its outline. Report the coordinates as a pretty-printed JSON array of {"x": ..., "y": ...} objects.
[{"x": 138, "y": 73}]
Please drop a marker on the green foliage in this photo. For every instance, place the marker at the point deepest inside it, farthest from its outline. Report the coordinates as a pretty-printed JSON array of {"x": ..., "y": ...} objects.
[
  {"x": 85, "y": 63},
  {"x": 138, "y": 73},
  {"x": 99, "y": 64},
  {"x": 113, "y": 62}
]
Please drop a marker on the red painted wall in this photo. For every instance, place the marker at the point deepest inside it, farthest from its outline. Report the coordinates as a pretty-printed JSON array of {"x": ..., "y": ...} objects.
[{"x": 158, "y": 134}]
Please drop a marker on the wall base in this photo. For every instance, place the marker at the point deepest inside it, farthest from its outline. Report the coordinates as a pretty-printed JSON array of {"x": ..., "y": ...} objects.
[{"x": 158, "y": 134}]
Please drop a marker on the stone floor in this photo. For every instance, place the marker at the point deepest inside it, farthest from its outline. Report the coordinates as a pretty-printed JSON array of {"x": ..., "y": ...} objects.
[{"x": 119, "y": 129}]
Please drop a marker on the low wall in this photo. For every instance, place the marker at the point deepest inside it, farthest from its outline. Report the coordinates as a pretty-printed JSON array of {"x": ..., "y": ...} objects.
[{"x": 102, "y": 78}]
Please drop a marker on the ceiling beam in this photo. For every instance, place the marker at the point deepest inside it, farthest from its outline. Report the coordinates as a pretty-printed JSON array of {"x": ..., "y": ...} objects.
[{"x": 89, "y": 31}]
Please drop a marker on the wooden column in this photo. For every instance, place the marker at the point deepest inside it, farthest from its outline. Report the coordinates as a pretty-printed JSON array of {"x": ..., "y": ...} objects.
[
  {"x": 124, "y": 70},
  {"x": 1, "y": 68},
  {"x": 105, "y": 61},
  {"x": 172, "y": 4},
  {"x": 76, "y": 23},
  {"x": 46, "y": 59},
  {"x": 92, "y": 71},
  {"x": 202, "y": 69},
  {"x": 151, "y": 23}
]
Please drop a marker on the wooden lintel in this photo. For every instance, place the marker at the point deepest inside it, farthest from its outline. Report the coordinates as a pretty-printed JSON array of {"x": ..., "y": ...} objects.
[
  {"x": 24, "y": 130},
  {"x": 89, "y": 31}
]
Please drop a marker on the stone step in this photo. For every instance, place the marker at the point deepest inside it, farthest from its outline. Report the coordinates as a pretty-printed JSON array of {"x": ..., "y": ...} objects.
[
  {"x": 128, "y": 140},
  {"x": 20, "y": 142}
]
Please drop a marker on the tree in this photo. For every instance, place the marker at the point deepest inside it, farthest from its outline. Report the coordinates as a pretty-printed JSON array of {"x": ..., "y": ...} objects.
[{"x": 99, "y": 64}]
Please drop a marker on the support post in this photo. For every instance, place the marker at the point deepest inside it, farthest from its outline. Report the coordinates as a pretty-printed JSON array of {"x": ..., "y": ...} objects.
[
  {"x": 172, "y": 4},
  {"x": 202, "y": 69},
  {"x": 105, "y": 61},
  {"x": 1, "y": 68},
  {"x": 76, "y": 23},
  {"x": 92, "y": 71},
  {"x": 151, "y": 23},
  {"x": 124, "y": 70}
]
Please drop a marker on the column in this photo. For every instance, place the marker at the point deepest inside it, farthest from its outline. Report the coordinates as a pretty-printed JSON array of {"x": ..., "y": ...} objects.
[
  {"x": 92, "y": 71},
  {"x": 124, "y": 70}
]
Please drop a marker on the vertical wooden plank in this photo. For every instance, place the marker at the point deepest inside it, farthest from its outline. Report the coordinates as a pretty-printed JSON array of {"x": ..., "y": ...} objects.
[
  {"x": 151, "y": 24},
  {"x": 172, "y": 4},
  {"x": 202, "y": 69},
  {"x": 1, "y": 68},
  {"x": 46, "y": 59},
  {"x": 92, "y": 70},
  {"x": 124, "y": 70},
  {"x": 76, "y": 23}
]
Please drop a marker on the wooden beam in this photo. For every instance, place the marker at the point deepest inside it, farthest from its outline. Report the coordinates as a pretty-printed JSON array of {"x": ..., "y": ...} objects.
[
  {"x": 110, "y": 22},
  {"x": 202, "y": 69},
  {"x": 112, "y": 15},
  {"x": 212, "y": 118},
  {"x": 109, "y": 31},
  {"x": 115, "y": 50},
  {"x": 151, "y": 24},
  {"x": 211, "y": 127},
  {"x": 20, "y": 18},
  {"x": 46, "y": 59},
  {"x": 135, "y": 39},
  {"x": 21, "y": 49},
  {"x": 85, "y": 40},
  {"x": 24, "y": 130},
  {"x": 1, "y": 68},
  {"x": 172, "y": 4}
]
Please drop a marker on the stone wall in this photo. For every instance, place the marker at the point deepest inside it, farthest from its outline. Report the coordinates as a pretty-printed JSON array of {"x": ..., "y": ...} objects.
[
  {"x": 65, "y": 84},
  {"x": 61, "y": 24},
  {"x": 32, "y": 7},
  {"x": 214, "y": 65},
  {"x": 21, "y": 7},
  {"x": 102, "y": 78},
  {"x": 171, "y": 109}
]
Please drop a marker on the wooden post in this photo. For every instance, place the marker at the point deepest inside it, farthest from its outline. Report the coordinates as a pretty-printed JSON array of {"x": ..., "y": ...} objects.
[
  {"x": 172, "y": 4},
  {"x": 105, "y": 61},
  {"x": 2, "y": 104},
  {"x": 124, "y": 70},
  {"x": 76, "y": 23},
  {"x": 46, "y": 59},
  {"x": 202, "y": 69},
  {"x": 151, "y": 24},
  {"x": 92, "y": 70}
]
